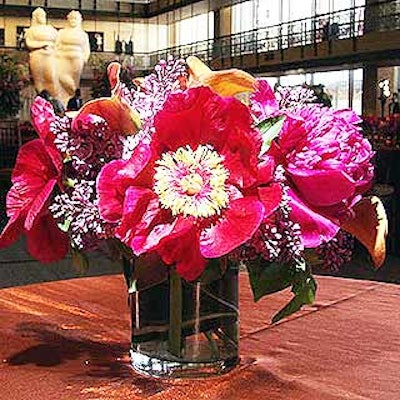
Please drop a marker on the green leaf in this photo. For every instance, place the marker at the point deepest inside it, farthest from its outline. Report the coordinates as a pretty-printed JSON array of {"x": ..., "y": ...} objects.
[
  {"x": 293, "y": 306},
  {"x": 304, "y": 289},
  {"x": 270, "y": 129},
  {"x": 267, "y": 278},
  {"x": 79, "y": 261},
  {"x": 64, "y": 227}
]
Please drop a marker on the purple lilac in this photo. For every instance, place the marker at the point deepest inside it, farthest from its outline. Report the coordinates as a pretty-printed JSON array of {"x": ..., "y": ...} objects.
[
  {"x": 151, "y": 95},
  {"x": 337, "y": 252},
  {"x": 78, "y": 209},
  {"x": 278, "y": 240},
  {"x": 89, "y": 142},
  {"x": 292, "y": 98}
]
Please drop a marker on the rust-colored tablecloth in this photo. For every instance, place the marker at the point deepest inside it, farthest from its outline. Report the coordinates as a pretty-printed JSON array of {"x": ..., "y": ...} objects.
[{"x": 69, "y": 340}]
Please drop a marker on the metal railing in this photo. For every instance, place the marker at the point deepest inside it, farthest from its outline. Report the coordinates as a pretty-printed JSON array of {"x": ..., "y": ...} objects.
[
  {"x": 344, "y": 24},
  {"x": 350, "y": 23}
]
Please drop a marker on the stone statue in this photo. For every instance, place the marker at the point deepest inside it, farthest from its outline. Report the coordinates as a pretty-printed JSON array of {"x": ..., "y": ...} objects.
[
  {"x": 73, "y": 51},
  {"x": 40, "y": 40}
]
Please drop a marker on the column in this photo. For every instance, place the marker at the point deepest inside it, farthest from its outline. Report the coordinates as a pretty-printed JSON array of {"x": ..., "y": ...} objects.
[{"x": 369, "y": 95}]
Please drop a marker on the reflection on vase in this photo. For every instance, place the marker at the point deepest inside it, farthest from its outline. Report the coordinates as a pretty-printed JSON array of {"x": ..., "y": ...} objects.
[{"x": 186, "y": 329}]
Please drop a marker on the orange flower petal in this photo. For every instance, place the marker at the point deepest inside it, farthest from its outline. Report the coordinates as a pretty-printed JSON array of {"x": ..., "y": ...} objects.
[
  {"x": 119, "y": 116},
  {"x": 113, "y": 71},
  {"x": 225, "y": 83},
  {"x": 370, "y": 227}
]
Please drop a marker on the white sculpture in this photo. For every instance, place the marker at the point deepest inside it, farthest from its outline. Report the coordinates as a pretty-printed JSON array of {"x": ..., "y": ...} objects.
[
  {"x": 40, "y": 39},
  {"x": 73, "y": 51},
  {"x": 56, "y": 59}
]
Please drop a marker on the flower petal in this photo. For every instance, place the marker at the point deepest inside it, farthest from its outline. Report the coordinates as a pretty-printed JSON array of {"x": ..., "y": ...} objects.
[
  {"x": 166, "y": 231},
  {"x": 184, "y": 252},
  {"x": 120, "y": 117},
  {"x": 45, "y": 241},
  {"x": 42, "y": 115},
  {"x": 235, "y": 227},
  {"x": 323, "y": 188},
  {"x": 115, "y": 178},
  {"x": 38, "y": 203},
  {"x": 370, "y": 227},
  {"x": 225, "y": 83},
  {"x": 32, "y": 173},
  {"x": 263, "y": 101},
  {"x": 271, "y": 197},
  {"x": 113, "y": 71},
  {"x": 135, "y": 204},
  {"x": 315, "y": 228},
  {"x": 12, "y": 231}
]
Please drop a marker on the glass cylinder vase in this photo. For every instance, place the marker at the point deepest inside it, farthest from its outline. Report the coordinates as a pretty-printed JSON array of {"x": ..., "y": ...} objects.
[{"x": 186, "y": 329}]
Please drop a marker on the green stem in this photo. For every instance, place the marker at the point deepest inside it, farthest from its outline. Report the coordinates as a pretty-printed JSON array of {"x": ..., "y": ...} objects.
[{"x": 175, "y": 313}]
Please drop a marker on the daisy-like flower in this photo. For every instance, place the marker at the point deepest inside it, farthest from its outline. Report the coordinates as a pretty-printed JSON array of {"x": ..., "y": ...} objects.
[{"x": 198, "y": 190}]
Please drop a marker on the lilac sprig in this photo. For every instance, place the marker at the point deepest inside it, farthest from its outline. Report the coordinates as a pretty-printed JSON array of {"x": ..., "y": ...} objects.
[
  {"x": 77, "y": 212},
  {"x": 293, "y": 98},
  {"x": 277, "y": 240},
  {"x": 89, "y": 143},
  {"x": 335, "y": 253},
  {"x": 149, "y": 98}
]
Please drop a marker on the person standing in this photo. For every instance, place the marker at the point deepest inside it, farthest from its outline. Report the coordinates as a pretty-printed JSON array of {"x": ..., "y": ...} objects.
[
  {"x": 75, "y": 102},
  {"x": 394, "y": 105}
]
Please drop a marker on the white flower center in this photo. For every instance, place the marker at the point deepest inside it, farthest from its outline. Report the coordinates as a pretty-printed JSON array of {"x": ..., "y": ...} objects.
[{"x": 192, "y": 182}]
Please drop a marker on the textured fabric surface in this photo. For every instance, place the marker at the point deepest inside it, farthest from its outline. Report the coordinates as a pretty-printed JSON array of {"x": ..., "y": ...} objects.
[{"x": 69, "y": 340}]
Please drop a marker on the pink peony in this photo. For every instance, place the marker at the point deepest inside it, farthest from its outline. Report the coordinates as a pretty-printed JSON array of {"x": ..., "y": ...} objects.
[
  {"x": 328, "y": 165},
  {"x": 198, "y": 190}
]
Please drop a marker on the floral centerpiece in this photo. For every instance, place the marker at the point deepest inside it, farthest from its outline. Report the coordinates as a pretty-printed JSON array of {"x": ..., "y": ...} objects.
[{"x": 185, "y": 182}]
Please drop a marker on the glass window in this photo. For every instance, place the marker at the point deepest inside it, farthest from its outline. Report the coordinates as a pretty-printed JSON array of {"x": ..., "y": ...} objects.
[
  {"x": 243, "y": 17},
  {"x": 336, "y": 85},
  {"x": 195, "y": 29},
  {"x": 323, "y": 7},
  {"x": 357, "y": 90},
  {"x": 292, "y": 80},
  {"x": 268, "y": 13}
]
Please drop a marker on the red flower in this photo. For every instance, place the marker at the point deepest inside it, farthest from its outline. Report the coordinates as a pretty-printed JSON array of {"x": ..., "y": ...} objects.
[
  {"x": 198, "y": 191},
  {"x": 36, "y": 173}
]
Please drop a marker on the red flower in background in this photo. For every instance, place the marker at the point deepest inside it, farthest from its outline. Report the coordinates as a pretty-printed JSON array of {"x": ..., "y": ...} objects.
[
  {"x": 34, "y": 178},
  {"x": 198, "y": 191},
  {"x": 37, "y": 171}
]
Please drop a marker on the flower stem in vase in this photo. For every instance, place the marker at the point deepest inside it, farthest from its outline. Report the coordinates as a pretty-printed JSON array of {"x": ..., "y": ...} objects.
[{"x": 175, "y": 314}]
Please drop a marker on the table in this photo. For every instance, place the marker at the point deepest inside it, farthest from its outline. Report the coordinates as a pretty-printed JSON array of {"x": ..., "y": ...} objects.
[{"x": 68, "y": 340}]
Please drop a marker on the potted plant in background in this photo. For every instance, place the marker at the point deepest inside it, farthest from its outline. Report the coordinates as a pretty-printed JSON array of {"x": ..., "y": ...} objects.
[
  {"x": 14, "y": 76},
  {"x": 185, "y": 183}
]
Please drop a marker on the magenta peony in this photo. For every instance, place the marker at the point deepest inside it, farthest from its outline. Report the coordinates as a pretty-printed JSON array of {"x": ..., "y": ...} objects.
[{"x": 328, "y": 165}]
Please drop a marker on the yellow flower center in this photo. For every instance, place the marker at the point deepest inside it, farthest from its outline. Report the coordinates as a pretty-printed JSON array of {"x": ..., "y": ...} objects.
[{"x": 192, "y": 182}]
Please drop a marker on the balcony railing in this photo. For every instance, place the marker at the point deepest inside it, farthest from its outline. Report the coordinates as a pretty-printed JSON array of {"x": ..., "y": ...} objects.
[
  {"x": 350, "y": 23},
  {"x": 344, "y": 24}
]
